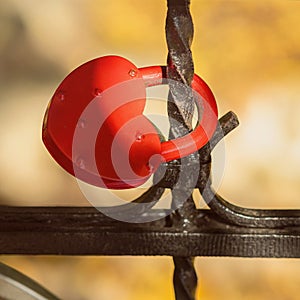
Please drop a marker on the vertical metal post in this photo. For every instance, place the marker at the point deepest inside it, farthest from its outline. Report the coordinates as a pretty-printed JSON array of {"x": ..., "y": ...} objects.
[{"x": 180, "y": 72}]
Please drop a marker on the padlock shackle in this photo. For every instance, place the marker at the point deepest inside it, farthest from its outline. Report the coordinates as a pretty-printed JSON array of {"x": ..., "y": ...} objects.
[{"x": 207, "y": 119}]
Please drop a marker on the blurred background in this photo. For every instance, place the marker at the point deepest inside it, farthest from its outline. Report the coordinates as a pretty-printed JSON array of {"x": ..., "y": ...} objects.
[{"x": 249, "y": 54}]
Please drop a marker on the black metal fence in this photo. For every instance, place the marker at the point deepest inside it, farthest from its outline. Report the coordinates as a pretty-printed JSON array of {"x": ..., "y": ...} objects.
[{"x": 223, "y": 230}]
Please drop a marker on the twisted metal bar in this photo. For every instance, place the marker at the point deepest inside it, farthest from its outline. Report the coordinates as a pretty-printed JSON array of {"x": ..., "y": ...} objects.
[
  {"x": 180, "y": 72},
  {"x": 179, "y": 35},
  {"x": 184, "y": 269}
]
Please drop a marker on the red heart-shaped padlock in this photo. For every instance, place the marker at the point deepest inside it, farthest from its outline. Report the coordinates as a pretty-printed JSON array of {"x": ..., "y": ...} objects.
[{"x": 95, "y": 129}]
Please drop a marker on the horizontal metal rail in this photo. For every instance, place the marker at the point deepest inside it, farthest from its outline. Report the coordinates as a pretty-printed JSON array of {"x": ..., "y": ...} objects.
[{"x": 86, "y": 231}]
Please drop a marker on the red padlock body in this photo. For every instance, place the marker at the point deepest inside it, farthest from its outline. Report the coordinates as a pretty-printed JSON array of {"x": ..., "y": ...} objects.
[
  {"x": 124, "y": 152},
  {"x": 94, "y": 123}
]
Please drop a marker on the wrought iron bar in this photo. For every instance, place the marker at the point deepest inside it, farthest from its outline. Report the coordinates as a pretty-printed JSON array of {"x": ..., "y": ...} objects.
[
  {"x": 86, "y": 231},
  {"x": 180, "y": 71},
  {"x": 224, "y": 230}
]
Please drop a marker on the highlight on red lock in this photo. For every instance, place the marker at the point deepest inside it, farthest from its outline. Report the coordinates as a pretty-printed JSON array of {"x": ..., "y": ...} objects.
[{"x": 96, "y": 129}]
